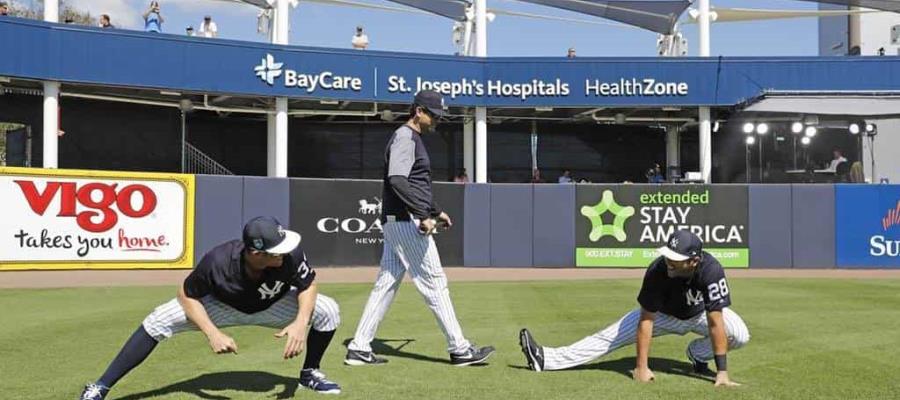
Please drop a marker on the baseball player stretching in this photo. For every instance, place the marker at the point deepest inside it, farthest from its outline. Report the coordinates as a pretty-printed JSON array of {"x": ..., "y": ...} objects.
[
  {"x": 684, "y": 291},
  {"x": 261, "y": 280},
  {"x": 409, "y": 216}
]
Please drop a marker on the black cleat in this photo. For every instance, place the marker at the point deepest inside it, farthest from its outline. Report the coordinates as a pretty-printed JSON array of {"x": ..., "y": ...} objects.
[
  {"x": 534, "y": 353},
  {"x": 700, "y": 368},
  {"x": 474, "y": 355},
  {"x": 356, "y": 357}
]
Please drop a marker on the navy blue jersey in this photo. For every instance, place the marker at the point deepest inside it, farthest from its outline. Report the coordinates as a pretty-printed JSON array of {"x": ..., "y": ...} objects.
[
  {"x": 685, "y": 298},
  {"x": 407, "y": 178},
  {"x": 221, "y": 273}
]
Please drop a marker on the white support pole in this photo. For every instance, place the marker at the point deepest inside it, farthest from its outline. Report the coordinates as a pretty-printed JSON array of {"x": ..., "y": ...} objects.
[
  {"x": 481, "y": 171},
  {"x": 270, "y": 144},
  {"x": 281, "y": 137},
  {"x": 51, "y": 101},
  {"x": 277, "y": 125},
  {"x": 705, "y": 144},
  {"x": 469, "y": 146},
  {"x": 673, "y": 148},
  {"x": 51, "y": 124},
  {"x": 481, "y": 145},
  {"x": 703, "y": 27},
  {"x": 705, "y": 124}
]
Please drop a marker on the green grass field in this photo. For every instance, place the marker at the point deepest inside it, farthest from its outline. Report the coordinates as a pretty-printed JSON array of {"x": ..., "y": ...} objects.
[{"x": 811, "y": 339}]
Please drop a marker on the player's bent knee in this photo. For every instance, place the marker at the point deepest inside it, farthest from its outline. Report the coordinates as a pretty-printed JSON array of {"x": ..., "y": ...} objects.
[
  {"x": 329, "y": 317},
  {"x": 740, "y": 339}
]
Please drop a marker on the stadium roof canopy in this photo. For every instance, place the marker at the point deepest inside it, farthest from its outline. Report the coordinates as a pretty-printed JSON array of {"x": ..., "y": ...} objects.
[
  {"x": 885, "y": 5},
  {"x": 655, "y": 15}
]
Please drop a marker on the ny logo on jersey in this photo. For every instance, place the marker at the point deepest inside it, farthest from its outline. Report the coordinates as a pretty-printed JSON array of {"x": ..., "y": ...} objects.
[
  {"x": 266, "y": 293},
  {"x": 693, "y": 298}
]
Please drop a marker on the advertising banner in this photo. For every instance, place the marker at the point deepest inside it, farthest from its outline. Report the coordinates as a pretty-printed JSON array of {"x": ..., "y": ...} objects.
[
  {"x": 66, "y": 219},
  {"x": 867, "y": 225},
  {"x": 622, "y": 225},
  {"x": 340, "y": 225}
]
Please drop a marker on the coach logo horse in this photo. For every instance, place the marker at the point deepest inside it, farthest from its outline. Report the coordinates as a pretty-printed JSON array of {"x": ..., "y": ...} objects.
[{"x": 366, "y": 208}]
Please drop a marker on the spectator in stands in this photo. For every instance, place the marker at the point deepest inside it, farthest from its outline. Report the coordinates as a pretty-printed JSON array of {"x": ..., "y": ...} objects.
[
  {"x": 571, "y": 53},
  {"x": 566, "y": 177},
  {"x": 4, "y": 9},
  {"x": 838, "y": 158},
  {"x": 360, "y": 41},
  {"x": 105, "y": 23},
  {"x": 654, "y": 175},
  {"x": 208, "y": 28},
  {"x": 153, "y": 20},
  {"x": 856, "y": 173},
  {"x": 189, "y": 31},
  {"x": 461, "y": 177}
]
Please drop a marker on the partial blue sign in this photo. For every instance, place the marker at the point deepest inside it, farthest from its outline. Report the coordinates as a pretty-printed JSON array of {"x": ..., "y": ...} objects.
[{"x": 867, "y": 225}]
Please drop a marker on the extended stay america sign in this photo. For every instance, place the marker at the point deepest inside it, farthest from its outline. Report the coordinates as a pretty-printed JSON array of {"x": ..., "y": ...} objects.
[{"x": 56, "y": 219}]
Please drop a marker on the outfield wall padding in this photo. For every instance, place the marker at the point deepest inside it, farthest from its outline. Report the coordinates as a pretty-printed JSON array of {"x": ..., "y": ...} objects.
[
  {"x": 267, "y": 196},
  {"x": 512, "y": 236},
  {"x": 770, "y": 226},
  {"x": 553, "y": 226},
  {"x": 218, "y": 212},
  {"x": 813, "y": 226},
  {"x": 477, "y": 234}
]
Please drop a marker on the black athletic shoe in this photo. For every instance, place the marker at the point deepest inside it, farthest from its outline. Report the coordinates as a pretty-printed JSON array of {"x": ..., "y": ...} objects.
[
  {"x": 700, "y": 367},
  {"x": 474, "y": 355},
  {"x": 355, "y": 357},
  {"x": 534, "y": 353}
]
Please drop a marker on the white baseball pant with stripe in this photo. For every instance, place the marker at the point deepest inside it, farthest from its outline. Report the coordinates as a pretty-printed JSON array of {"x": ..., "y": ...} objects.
[
  {"x": 169, "y": 318},
  {"x": 624, "y": 332},
  {"x": 405, "y": 249}
]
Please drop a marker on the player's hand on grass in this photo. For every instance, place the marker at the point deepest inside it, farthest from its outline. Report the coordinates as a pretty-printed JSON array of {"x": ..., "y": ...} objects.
[
  {"x": 426, "y": 226},
  {"x": 445, "y": 220},
  {"x": 722, "y": 380},
  {"x": 296, "y": 339},
  {"x": 222, "y": 343},
  {"x": 643, "y": 375}
]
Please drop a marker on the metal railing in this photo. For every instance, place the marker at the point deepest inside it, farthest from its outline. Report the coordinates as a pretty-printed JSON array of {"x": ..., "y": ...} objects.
[{"x": 197, "y": 162}]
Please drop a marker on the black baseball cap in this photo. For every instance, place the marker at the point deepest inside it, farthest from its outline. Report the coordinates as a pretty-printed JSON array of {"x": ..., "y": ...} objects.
[
  {"x": 266, "y": 234},
  {"x": 681, "y": 245},
  {"x": 431, "y": 100}
]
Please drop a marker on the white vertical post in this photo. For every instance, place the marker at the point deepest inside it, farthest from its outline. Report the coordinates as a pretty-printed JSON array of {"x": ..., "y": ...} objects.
[
  {"x": 51, "y": 124},
  {"x": 705, "y": 144},
  {"x": 705, "y": 124},
  {"x": 469, "y": 146},
  {"x": 481, "y": 112},
  {"x": 277, "y": 125},
  {"x": 673, "y": 148},
  {"x": 270, "y": 144},
  {"x": 281, "y": 137},
  {"x": 51, "y": 101}
]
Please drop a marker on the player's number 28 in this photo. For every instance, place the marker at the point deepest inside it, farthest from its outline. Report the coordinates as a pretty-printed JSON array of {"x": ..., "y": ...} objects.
[{"x": 717, "y": 290}]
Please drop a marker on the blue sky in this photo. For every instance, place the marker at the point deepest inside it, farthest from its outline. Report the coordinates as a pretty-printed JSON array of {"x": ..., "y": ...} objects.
[{"x": 316, "y": 24}]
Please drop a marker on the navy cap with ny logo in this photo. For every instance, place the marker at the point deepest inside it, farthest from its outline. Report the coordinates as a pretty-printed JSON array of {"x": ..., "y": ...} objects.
[
  {"x": 681, "y": 246},
  {"x": 268, "y": 235}
]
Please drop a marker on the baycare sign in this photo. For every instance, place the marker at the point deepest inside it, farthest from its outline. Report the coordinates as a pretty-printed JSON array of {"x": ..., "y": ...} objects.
[
  {"x": 867, "y": 226},
  {"x": 59, "y": 219},
  {"x": 622, "y": 225}
]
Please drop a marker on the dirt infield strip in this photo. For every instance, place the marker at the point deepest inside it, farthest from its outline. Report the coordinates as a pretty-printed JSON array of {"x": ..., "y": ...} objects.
[{"x": 53, "y": 279}]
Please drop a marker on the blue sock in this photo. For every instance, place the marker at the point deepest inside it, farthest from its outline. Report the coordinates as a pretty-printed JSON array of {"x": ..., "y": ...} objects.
[{"x": 134, "y": 352}]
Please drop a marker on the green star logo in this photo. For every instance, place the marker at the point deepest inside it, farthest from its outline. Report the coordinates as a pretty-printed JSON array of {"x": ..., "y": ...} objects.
[{"x": 595, "y": 213}]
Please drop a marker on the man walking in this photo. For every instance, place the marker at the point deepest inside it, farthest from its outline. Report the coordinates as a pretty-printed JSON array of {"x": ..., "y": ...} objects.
[{"x": 409, "y": 217}]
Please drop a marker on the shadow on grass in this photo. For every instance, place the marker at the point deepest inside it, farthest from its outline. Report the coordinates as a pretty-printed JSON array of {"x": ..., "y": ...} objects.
[
  {"x": 624, "y": 366},
  {"x": 244, "y": 381},
  {"x": 384, "y": 347}
]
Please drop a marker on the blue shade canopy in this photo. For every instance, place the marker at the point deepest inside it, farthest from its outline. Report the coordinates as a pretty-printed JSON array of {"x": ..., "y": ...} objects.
[
  {"x": 655, "y": 15},
  {"x": 884, "y": 5},
  {"x": 453, "y": 9}
]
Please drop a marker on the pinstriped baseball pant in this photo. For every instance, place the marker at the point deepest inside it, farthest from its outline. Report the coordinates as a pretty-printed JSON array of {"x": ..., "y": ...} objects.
[
  {"x": 169, "y": 318},
  {"x": 405, "y": 249},
  {"x": 624, "y": 332}
]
